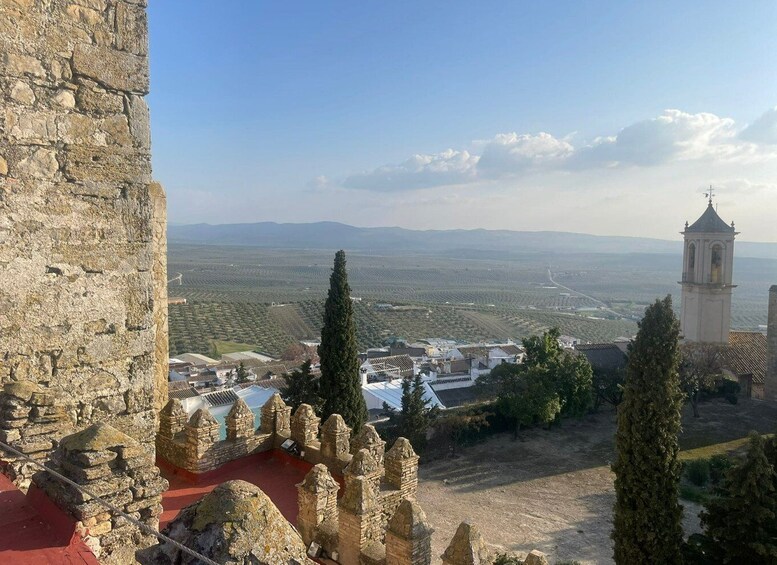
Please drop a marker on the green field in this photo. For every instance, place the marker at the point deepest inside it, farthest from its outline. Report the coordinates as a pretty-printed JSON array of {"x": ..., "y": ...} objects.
[{"x": 271, "y": 298}]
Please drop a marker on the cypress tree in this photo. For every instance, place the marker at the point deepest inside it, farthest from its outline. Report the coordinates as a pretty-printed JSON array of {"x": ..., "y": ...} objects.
[
  {"x": 742, "y": 521},
  {"x": 340, "y": 385},
  {"x": 647, "y": 517}
]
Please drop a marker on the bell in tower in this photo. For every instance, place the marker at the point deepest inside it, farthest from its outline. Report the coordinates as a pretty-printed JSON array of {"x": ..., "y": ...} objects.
[{"x": 708, "y": 262}]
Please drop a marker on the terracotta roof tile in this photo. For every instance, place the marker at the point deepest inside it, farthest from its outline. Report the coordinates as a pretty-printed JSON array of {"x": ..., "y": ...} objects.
[{"x": 746, "y": 354}]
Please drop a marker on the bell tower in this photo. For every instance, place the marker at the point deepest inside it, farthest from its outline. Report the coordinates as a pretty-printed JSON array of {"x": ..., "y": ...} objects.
[{"x": 708, "y": 264}]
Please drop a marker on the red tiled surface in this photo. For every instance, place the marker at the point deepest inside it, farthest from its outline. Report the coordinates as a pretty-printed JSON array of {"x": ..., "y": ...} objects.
[
  {"x": 31, "y": 537},
  {"x": 275, "y": 472}
]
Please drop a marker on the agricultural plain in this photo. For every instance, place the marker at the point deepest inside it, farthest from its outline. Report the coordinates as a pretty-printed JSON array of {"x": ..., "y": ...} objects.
[{"x": 270, "y": 298}]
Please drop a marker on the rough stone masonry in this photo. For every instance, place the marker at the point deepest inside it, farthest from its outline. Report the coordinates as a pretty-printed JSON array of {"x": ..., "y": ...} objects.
[{"x": 82, "y": 226}]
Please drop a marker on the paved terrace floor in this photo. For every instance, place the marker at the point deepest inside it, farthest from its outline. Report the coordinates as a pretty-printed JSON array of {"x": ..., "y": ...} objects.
[
  {"x": 275, "y": 472},
  {"x": 29, "y": 537}
]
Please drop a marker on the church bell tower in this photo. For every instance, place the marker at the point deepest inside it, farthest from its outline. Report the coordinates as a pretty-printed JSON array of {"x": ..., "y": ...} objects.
[{"x": 708, "y": 263}]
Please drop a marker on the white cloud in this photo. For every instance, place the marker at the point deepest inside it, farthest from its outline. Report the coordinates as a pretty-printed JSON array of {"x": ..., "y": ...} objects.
[
  {"x": 511, "y": 153},
  {"x": 420, "y": 171},
  {"x": 763, "y": 130},
  {"x": 674, "y": 136}
]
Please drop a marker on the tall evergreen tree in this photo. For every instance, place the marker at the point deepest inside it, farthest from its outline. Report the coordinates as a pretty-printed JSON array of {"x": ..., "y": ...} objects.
[
  {"x": 742, "y": 521},
  {"x": 340, "y": 384},
  {"x": 416, "y": 415},
  {"x": 647, "y": 520}
]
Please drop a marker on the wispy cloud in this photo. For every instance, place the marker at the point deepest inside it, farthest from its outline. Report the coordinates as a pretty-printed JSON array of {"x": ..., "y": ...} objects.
[
  {"x": 420, "y": 171},
  {"x": 674, "y": 136},
  {"x": 762, "y": 130}
]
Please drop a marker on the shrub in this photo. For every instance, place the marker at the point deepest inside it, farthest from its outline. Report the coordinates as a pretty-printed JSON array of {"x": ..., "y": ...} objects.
[
  {"x": 698, "y": 472},
  {"x": 507, "y": 559},
  {"x": 719, "y": 464},
  {"x": 692, "y": 493},
  {"x": 727, "y": 386},
  {"x": 732, "y": 398}
]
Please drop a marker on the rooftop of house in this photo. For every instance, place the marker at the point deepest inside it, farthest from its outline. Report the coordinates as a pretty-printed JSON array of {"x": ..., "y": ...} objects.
[
  {"x": 390, "y": 392},
  {"x": 745, "y": 354},
  {"x": 457, "y": 396},
  {"x": 603, "y": 356},
  {"x": 402, "y": 362}
]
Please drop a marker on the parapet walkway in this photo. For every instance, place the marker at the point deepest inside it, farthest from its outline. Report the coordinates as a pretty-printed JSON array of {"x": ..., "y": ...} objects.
[
  {"x": 30, "y": 537},
  {"x": 275, "y": 472}
]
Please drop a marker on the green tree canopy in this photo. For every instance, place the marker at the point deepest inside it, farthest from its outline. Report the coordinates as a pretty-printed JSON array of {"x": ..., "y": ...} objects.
[
  {"x": 242, "y": 374},
  {"x": 647, "y": 517},
  {"x": 742, "y": 521},
  {"x": 416, "y": 415},
  {"x": 524, "y": 394},
  {"x": 550, "y": 382},
  {"x": 340, "y": 383},
  {"x": 302, "y": 388},
  {"x": 571, "y": 374}
]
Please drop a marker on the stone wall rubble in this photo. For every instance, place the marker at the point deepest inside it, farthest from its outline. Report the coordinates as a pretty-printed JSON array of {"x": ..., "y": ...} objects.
[{"x": 32, "y": 422}]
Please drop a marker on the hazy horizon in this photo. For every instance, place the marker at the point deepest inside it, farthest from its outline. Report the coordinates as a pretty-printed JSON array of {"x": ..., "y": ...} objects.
[{"x": 603, "y": 119}]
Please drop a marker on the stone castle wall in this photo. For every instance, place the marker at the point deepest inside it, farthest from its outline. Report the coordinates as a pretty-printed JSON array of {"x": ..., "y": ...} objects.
[
  {"x": 770, "y": 386},
  {"x": 82, "y": 266}
]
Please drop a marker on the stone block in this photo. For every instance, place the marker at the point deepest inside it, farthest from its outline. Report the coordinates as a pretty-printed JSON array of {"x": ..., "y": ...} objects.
[
  {"x": 93, "y": 458},
  {"x": 131, "y": 29},
  {"x": 19, "y": 65},
  {"x": 116, "y": 70},
  {"x": 10, "y": 436},
  {"x": 84, "y": 475},
  {"x": 536, "y": 557},
  {"x": 102, "y": 164}
]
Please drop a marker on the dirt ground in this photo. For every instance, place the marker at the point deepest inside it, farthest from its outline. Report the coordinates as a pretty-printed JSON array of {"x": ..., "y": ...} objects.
[{"x": 553, "y": 490}]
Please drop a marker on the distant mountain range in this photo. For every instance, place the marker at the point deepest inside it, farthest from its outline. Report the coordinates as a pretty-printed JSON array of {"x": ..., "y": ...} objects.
[{"x": 478, "y": 242}]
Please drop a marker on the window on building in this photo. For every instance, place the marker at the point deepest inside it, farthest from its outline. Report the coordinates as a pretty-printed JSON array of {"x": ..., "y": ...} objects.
[
  {"x": 716, "y": 270},
  {"x": 691, "y": 257}
]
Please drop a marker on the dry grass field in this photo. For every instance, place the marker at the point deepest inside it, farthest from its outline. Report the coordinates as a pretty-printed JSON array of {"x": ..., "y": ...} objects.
[{"x": 553, "y": 491}]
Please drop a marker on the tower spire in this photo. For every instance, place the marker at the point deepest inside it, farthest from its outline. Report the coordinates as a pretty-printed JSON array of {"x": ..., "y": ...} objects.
[{"x": 709, "y": 195}]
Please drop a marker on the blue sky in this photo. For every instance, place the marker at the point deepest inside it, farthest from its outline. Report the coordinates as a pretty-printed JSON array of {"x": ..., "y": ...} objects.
[{"x": 518, "y": 115}]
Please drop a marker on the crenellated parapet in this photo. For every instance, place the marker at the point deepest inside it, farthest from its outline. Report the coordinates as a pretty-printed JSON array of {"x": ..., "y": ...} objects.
[
  {"x": 276, "y": 417},
  {"x": 359, "y": 522},
  {"x": 401, "y": 467},
  {"x": 304, "y": 427},
  {"x": 467, "y": 547},
  {"x": 201, "y": 433},
  {"x": 409, "y": 536},
  {"x": 172, "y": 418},
  {"x": 32, "y": 422},
  {"x": 363, "y": 464},
  {"x": 194, "y": 445},
  {"x": 317, "y": 519},
  {"x": 369, "y": 439},
  {"x": 240, "y": 421},
  {"x": 336, "y": 440}
]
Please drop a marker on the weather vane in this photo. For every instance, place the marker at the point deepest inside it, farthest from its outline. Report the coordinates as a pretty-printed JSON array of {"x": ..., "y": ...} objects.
[{"x": 709, "y": 195}]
